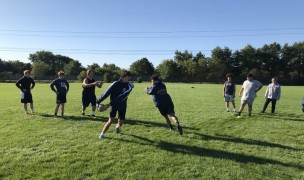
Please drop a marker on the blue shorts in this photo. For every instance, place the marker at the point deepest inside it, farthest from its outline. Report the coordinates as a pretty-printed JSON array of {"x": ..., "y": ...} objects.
[
  {"x": 26, "y": 97},
  {"x": 86, "y": 101},
  {"x": 121, "y": 112},
  {"x": 61, "y": 98},
  {"x": 167, "y": 109}
]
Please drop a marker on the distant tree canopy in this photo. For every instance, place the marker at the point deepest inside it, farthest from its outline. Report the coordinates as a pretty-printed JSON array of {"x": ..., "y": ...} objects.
[{"x": 286, "y": 62}]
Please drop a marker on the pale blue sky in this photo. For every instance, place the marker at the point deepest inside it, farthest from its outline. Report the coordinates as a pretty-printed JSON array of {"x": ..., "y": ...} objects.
[{"x": 123, "y": 31}]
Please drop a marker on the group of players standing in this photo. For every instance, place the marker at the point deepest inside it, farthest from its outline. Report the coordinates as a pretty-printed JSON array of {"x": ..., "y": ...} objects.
[
  {"x": 118, "y": 92},
  {"x": 248, "y": 93}
]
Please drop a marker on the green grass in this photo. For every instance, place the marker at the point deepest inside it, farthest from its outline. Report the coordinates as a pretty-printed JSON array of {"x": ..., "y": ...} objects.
[{"x": 215, "y": 144}]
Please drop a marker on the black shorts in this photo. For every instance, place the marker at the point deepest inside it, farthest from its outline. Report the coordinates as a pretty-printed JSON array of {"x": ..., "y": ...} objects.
[
  {"x": 86, "y": 101},
  {"x": 26, "y": 97},
  {"x": 166, "y": 110},
  {"x": 121, "y": 112},
  {"x": 61, "y": 98}
]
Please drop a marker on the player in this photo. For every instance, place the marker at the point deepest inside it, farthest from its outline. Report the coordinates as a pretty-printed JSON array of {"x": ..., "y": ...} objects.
[
  {"x": 62, "y": 88},
  {"x": 229, "y": 92},
  {"x": 26, "y": 84},
  {"x": 118, "y": 92},
  {"x": 163, "y": 102},
  {"x": 248, "y": 92},
  {"x": 88, "y": 93},
  {"x": 272, "y": 94}
]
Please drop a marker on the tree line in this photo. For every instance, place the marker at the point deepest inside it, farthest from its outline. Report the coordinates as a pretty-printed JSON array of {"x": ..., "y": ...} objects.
[{"x": 285, "y": 62}]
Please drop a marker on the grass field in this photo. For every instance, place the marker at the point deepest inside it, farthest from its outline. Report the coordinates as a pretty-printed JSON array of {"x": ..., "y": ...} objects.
[{"x": 215, "y": 144}]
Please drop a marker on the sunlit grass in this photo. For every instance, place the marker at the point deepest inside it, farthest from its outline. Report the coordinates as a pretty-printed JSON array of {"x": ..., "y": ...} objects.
[{"x": 215, "y": 144}]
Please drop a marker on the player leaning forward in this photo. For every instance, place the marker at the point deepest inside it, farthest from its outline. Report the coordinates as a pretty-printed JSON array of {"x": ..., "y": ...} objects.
[
  {"x": 163, "y": 102},
  {"x": 118, "y": 92}
]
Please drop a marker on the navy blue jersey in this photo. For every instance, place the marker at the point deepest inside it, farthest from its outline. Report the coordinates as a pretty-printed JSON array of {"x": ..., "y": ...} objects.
[
  {"x": 118, "y": 92},
  {"x": 159, "y": 92},
  {"x": 229, "y": 87},
  {"x": 25, "y": 83},
  {"x": 89, "y": 91},
  {"x": 62, "y": 86}
]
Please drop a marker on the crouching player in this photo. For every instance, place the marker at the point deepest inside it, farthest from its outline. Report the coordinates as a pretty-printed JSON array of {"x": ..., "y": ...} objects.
[
  {"x": 62, "y": 88},
  {"x": 118, "y": 92},
  {"x": 163, "y": 102}
]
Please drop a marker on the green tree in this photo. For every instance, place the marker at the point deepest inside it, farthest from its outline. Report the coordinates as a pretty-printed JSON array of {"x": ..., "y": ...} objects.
[
  {"x": 39, "y": 70},
  {"x": 169, "y": 70},
  {"x": 142, "y": 67}
]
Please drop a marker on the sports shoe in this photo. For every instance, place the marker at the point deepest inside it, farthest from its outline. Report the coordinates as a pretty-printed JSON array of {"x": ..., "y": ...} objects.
[
  {"x": 93, "y": 116},
  {"x": 227, "y": 110},
  {"x": 180, "y": 130},
  {"x": 117, "y": 130},
  {"x": 237, "y": 113},
  {"x": 101, "y": 136},
  {"x": 249, "y": 114},
  {"x": 55, "y": 116}
]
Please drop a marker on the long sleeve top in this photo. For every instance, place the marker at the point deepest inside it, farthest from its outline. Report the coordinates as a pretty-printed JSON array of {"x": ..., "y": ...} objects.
[
  {"x": 26, "y": 83},
  {"x": 273, "y": 91}
]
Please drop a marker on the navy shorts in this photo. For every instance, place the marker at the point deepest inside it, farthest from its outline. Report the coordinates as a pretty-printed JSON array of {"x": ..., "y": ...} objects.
[
  {"x": 121, "y": 112},
  {"x": 166, "y": 110},
  {"x": 26, "y": 97},
  {"x": 61, "y": 98},
  {"x": 86, "y": 101}
]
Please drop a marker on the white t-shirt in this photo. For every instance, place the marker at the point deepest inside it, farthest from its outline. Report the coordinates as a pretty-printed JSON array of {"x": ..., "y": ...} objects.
[{"x": 249, "y": 89}]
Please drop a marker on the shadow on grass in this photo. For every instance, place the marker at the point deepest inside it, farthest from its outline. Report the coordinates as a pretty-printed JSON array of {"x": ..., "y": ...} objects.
[
  {"x": 204, "y": 152},
  {"x": 161, "y": 123},
  {"x": 74, "y": 118},
  {"x": 285, "y": 116},
  {"x": 244, "y": 141}
]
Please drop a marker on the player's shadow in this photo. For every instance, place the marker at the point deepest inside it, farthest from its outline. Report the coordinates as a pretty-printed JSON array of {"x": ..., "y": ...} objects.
[
  {"x": 75, "y": 118},
  {"x": 148, "y": 124},
  {"x": 232, "y": 139},
  {"x": 285, "y": 116},
  {"x": 205, "y": 152}
]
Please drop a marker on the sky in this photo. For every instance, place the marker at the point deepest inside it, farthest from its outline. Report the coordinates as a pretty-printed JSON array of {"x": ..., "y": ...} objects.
[{"x": 124, "y": 31}]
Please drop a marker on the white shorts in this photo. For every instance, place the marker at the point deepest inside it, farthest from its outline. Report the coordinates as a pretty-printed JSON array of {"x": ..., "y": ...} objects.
[
  {"x": 247, "y": 101},
  {"x": 228, "y": 98}
]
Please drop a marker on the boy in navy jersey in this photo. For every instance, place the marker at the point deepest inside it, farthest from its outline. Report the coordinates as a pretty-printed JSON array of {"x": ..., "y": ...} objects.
[
  {"x": 229, "y": 92},
  {"x": 62, "y": 88},
  {"x": 88, "y": 93},
  {"x": 118, "y": 92},
  {"x": 26, "y": 84},
  {"x": 163, "y": 102}
]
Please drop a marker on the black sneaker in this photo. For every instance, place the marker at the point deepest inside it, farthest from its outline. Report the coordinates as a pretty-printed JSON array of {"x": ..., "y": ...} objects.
[
  {"x": 249, "y": 114},
  {"x": 180, "y": 130},
  {"x": 237, "y": 113},
  {"x": 117, "y": 130},
  {"x": 83, "y": 114}
]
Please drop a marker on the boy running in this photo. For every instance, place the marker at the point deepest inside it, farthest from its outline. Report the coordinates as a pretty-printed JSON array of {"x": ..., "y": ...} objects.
[
  {"x": 118, "y": 92},
  {"x": 26, "y": 84},
  {"x": 163, "y": 102},
  {"x": 62, "y": 88}
]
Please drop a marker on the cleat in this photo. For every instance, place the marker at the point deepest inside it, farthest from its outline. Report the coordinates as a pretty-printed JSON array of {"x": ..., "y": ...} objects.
[
  {"x": 83, "y": 114},
  {"x": 180, "y": 130},
  {"x": 101, "y": 136},
  {"x": 237, "y": 113},
  {"x": 117, "y": 130}
]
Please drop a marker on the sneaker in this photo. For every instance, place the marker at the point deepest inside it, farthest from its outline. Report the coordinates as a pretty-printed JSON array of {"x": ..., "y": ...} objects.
[
  {"x": 117, "y": 130},
  {"x": 101, "y": 136},
  {"x": 83, "y": 114},
  {"x": 93, "y": 116},
  {"x": 227, "y": 110},
  {"x": 180, "y": 130},
  {"x": 249, "y": 114},
  {"x": 262, "y": 111},
  {"x": 55, "y": 116},
  {"x": 237, "y": 113},
  {"x": 234, "y": 110}
]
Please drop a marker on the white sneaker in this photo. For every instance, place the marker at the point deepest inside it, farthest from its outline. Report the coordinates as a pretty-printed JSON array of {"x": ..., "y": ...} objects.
[{"x": 101, "y": 136}]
